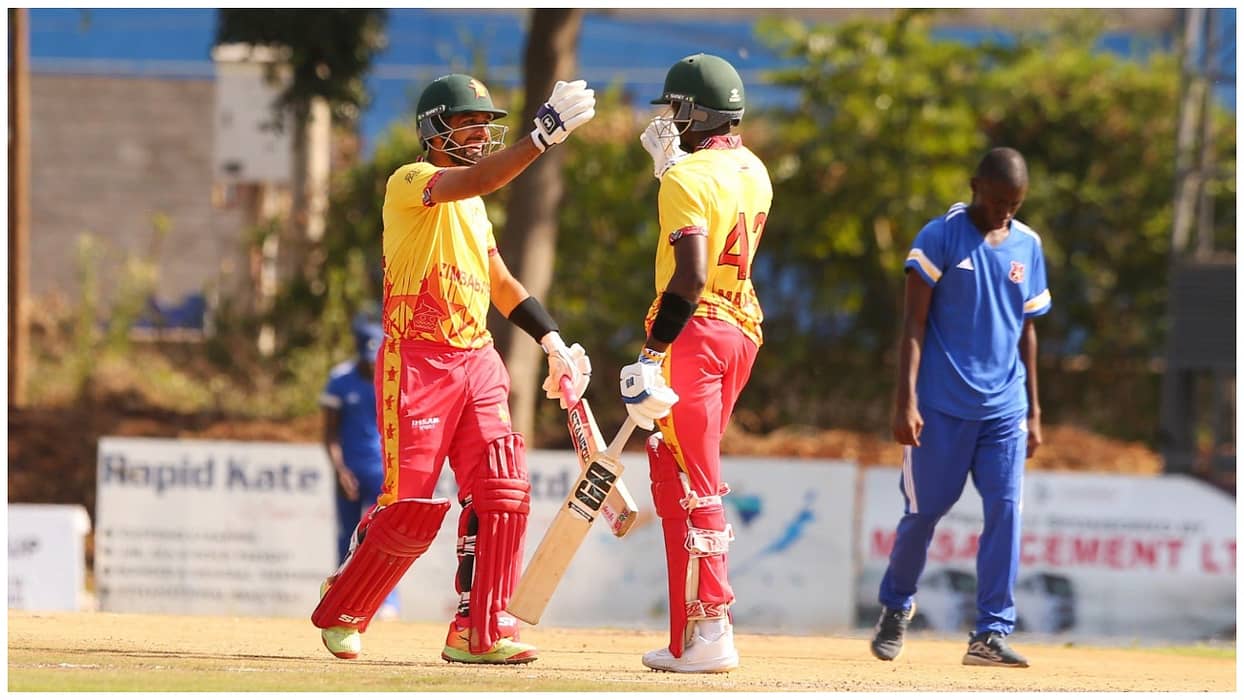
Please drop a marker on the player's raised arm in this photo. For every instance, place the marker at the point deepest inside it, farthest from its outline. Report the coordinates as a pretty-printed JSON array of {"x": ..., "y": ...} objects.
[{"x": 456, "y": 118}]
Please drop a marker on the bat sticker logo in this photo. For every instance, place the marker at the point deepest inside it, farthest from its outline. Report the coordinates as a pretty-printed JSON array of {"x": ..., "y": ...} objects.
[
  {"x": 580, "y": 434},
  {"x": 594, "y": 487}
]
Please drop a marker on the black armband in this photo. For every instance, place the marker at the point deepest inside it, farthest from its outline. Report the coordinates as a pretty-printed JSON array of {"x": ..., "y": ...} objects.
[
  {"x": 672, "y": 315},
  {"x": 531, "y": 316}
]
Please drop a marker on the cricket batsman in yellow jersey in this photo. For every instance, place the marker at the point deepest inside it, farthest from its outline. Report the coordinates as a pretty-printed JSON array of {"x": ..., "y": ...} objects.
[
  {"x": 441, "y": 388},
  {"x": 703, "y": 334}
]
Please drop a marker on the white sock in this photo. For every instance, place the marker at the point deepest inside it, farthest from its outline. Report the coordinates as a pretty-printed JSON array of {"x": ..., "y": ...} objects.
[{"x": 712, "y": 629}]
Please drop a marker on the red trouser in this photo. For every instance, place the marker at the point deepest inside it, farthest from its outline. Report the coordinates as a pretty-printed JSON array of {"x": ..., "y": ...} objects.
[
  {"x": 433, "y": 402},
  {"x": 707, "y": 366},
  {"x": 436, "y": 402}
]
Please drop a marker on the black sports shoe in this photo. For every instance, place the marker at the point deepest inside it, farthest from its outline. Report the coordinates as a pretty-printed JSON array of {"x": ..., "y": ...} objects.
[
  {"x": 887, "y": 643},
  {"x": 990, "y": 649}
]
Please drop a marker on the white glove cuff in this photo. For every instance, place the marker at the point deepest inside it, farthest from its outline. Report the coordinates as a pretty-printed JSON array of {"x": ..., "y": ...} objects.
[
  {"x": 552, "y": 342},
  {"x": 539, "y": 142}
]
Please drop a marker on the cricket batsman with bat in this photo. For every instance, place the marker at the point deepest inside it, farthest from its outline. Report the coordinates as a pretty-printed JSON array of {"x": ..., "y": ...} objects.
[
  {"x": 703, "y": 335},
  {"x": 441, "y": 388}
]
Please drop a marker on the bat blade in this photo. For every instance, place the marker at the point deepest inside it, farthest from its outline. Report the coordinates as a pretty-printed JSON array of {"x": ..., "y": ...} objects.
[
  {"x": 562, "y": 540},
  {"x": 586, "y": 501}
]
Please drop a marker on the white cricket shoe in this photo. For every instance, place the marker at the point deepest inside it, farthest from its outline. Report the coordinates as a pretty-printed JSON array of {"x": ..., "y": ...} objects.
[{"x": 711, "y": 650}]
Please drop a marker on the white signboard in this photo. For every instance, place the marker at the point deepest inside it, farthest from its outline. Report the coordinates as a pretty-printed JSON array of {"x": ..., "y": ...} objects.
[
  {"x": 1101, "y": 555},
  {"x": 201, "y": 527},
  {"x": 47, "y": 561},
  {"x": 789, "y": 564},
  {"x": 249, "y": 529}
]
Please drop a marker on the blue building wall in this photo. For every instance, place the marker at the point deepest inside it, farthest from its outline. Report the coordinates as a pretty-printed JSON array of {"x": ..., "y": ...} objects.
[{"x": 424, "y": 43}]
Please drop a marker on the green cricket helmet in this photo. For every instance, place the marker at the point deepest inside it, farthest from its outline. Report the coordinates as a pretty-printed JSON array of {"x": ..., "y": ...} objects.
[
  {"x": 451, "y": 94},
  {"x": 705, "y": 90}
]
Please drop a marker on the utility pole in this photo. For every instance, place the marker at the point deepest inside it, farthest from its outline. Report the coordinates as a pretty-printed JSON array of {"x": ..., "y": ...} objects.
[
  {"x": 1205, "y": 198},
  {"x": 1187, "y": 176},
  {"x": 19, "y": 204}
]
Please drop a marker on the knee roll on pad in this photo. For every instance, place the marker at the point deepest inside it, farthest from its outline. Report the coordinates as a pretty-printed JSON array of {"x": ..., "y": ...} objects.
[
  {"x": 501, "y": 500},
  {"x": 394, "y": 537}
]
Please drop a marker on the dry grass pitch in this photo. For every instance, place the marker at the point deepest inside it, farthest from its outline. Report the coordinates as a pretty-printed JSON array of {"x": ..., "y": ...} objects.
[{"x": 109, "y": 652}]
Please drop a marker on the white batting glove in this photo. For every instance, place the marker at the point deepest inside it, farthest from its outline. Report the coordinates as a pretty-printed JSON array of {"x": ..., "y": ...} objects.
[
  {"x": 571, "y": 362},
  {"x": 661, "y": 142},
  {"x": 644, "y": 391},
  {"x": 569, "y": 107}
]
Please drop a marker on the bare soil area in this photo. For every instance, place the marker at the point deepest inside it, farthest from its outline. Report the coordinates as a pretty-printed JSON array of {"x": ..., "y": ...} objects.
[{"x": 102, "y": 651}]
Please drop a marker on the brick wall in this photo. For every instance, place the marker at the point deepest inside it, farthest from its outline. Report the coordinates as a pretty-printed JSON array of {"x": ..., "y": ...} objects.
[{"x": 107, "y": 155}]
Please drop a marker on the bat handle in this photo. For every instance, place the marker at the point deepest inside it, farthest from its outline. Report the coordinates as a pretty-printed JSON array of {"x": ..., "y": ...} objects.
[
  {"x": 619, "y": 441},
  {"x": 568, "y": 391}
]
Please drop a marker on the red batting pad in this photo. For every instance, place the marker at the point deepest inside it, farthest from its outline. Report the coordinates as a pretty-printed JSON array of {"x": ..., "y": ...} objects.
[
  {"x": 397, "y": 535},
  {"x": 502, "y": 500}
]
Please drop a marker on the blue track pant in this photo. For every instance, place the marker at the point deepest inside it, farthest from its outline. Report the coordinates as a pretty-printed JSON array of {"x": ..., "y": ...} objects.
[{"x": 933, "y": 477}]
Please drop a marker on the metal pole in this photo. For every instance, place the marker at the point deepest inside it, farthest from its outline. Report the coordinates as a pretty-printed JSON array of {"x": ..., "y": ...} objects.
[
  {"x": 1186, "y": 176},
  {"x": 1205, "y": 205}
]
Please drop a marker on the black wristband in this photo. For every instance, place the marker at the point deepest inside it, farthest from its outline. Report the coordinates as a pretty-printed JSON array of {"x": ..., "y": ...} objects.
[
  {"x": 672, "y": 315},
  {"x": 531, "y": 316}
]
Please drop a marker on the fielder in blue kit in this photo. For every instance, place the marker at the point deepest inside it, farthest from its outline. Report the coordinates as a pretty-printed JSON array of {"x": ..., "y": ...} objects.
[
  {"x": 352, "y": 440},
  {"x": 966, "y": 401}
]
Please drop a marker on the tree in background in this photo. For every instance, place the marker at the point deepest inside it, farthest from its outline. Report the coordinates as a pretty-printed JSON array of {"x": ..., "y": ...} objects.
[
  {"x": 877, "y": 145},
  {"x": 529, "y": 240},
  {"x": 328, "y": 54},
  {"x": 889, "y": 126}
]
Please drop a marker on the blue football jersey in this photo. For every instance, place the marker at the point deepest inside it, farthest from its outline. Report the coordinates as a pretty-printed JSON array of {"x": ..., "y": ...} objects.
[
  {"x": 354, "y": 396},
  {"x": 970, "y": 365}
]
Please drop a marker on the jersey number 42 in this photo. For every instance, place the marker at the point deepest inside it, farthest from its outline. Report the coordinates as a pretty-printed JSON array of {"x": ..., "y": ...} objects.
[{"x": 745, "y": 243}]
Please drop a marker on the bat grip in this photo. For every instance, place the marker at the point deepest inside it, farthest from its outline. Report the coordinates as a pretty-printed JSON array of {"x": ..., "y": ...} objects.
[{"x": 568, "y": 391}]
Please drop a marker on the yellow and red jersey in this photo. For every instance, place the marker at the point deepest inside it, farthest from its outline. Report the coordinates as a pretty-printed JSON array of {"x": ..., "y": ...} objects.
[
  {"x": 723, "y": 192},
  {"x": 436, "y": 281}
]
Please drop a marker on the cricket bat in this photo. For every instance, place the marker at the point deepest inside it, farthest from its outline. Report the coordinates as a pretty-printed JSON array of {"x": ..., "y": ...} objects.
[
  {"x": 619, "y": 509},
  {"x": 599, "y": 478}
]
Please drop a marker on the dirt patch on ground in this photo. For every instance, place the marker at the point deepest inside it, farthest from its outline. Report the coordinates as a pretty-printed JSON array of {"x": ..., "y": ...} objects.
[{"x": 101, "y": 651}]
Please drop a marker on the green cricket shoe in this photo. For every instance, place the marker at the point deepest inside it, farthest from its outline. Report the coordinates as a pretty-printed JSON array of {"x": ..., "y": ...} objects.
[
  {"x": 505, "y": 651},
  {"x": 343, "y": 642}
]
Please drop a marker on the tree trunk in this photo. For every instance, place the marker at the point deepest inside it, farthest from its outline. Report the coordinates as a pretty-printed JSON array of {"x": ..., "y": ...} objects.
[
  {"x": 19, "y": 203},
  {"x": 530, "y": 239}
]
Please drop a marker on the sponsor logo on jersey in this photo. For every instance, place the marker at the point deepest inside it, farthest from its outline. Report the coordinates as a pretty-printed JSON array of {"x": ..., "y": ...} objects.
[{"x": 425, "y": 423}]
